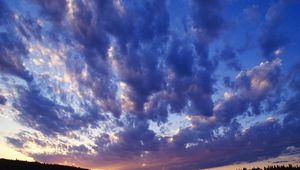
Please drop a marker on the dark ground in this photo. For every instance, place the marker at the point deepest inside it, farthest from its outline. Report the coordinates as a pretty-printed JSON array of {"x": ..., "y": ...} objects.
[
  {"x": 24, "y": 165},
  {"x": 277, "y": 167}
]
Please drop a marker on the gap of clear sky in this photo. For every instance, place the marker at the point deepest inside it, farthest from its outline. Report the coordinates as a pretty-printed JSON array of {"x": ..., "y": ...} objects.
[{"x": 152, "y": 84}]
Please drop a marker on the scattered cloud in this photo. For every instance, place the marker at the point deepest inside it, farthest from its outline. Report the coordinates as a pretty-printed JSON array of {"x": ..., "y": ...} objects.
[{"x": 99, "y": 83}]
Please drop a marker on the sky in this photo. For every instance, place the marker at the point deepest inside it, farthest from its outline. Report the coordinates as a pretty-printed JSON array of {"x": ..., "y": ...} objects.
[{"x": 152, "y": 84}]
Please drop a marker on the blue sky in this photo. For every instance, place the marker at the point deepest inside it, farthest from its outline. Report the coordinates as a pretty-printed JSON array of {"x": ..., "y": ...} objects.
[{"x": 148, "y": 85}]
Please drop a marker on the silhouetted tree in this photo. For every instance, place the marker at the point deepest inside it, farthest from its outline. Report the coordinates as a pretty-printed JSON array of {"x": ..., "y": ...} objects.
[
  {"x": 277, "y": 167},
  {"x": 24, "y": 165}
]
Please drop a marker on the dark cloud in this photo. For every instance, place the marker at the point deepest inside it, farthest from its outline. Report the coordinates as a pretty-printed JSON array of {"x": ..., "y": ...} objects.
[
  {"x": 2, "y": 100},
  {"x": 196, "y": 89},
  {"x": 228, "y": 82},
  {"x": 41, "y": 113},
  {"x": 81, "y": 149},
  {"x": 270, "y": 41},
  {"x": 230, "y": 108},
  {"x": 251, "y": 88},
  {"x": 294, "y": 78},
  {"x": 140, "y": 23},
  {"x": 29, "y": 28},
  {"x": 50, "y": 118},
  {"x": 140, "y": 53},
  {"x": 265, "y": 139},
  {"x": 4, "y": 12},
  {"x": 89, "y": 30},
  {"x": 21, "y": 140},
  {"x": 15, "y": 142},
  {"x": 256, "y": 84},
  {"x": 271, "y": 38},
  {"x": 190, "y": 87},
  {"x": 141, "y": 34},
  {"x": 88, "y": 26},
  {"x": 24, "y": 139},
  {"x": 55, "y": 10},
  {"x": 12, "y": 48},
  {"x": 10, "y": 59},
  {"x": 137, "y": 65},
  {"x": 190, "y": 148},
  {"x": 126, "y": 59},
  {"x": 181, "y": 58},
  {"x": 250, "y": 145},
  {"x": 208, "y": 19},
  {"x": 137, "y": 138},
  {"x": 292, "y": 106},
  {"x": 229, "y": 56}
]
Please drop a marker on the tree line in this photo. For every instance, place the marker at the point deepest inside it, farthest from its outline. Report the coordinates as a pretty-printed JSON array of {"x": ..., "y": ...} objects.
[
  {"x": 276, "y": 167},
  {"x": 24, "y": 165}
]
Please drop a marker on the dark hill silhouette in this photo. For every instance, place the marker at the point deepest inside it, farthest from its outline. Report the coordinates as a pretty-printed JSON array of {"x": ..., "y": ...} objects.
[
  {"x": 275, "y": 167},
  {"x": 24, "y": 165},
  {"x": 6, "y": 164}
]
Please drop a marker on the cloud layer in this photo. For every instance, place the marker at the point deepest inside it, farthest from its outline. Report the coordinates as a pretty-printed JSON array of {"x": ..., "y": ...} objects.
[{"x": 101, "y": 83}]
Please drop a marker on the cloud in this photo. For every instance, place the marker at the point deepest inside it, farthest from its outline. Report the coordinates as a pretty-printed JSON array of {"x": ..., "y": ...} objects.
[
  {"x": 294, "y": 78},
  {"x": 271, "y": 38},
  {"x": 255, "y": 84},
  {"x": 138, "y": 55},
  {"x": 54, "y": 10},
  {"x": 208, "y": 18},
  {"x": 134, "y": 59},
  {"x": 2, "y": 100},
  {"x": 250, "y": 145},
  {"x": 135, "y": 139},
  {"x": 181, "y": 58},
  {"x": 11, "y": 50},
  {"x": 251, "y": 88},
  {"x": 191, "y": 81},
  {"x": 98, "y": 75},
  {"x": 291, "y": 106},
  {"x": 12, "y": 47},
  {"x": 50, "y": 118},
  {"x": 15, "y": 142},
  {"x": 229, "y": 56}
]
